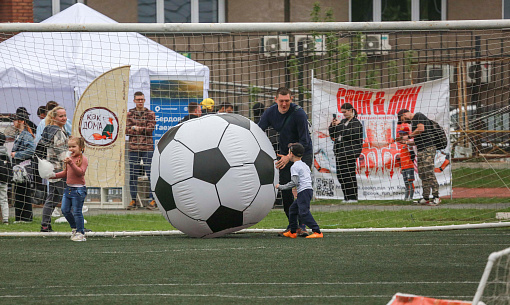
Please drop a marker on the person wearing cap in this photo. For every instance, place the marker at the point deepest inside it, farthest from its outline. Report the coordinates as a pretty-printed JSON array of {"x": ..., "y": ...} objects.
[
  {"x": 291, "y": 121},
  {"x": 421, "y": 128},
  {"x": 407, "y": 157},
  {"x": 301, "y": 179},
  {"x": 347, "y": 135},
  {"x": 22, "y": 153},
  {"x": 23, "y": 111},
  {"x": 207, "y": 106}
]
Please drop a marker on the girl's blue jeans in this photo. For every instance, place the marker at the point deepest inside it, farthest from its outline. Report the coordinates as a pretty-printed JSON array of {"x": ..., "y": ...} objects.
[{"x": 72, "y": 205}]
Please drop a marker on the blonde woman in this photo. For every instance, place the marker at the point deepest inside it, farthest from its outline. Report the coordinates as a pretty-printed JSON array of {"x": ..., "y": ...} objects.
[{"x": 53, "y": 147}]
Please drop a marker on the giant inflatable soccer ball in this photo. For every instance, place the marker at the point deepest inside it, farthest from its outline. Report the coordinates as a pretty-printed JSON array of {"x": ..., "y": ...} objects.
[{"x": 214, "y": 175}]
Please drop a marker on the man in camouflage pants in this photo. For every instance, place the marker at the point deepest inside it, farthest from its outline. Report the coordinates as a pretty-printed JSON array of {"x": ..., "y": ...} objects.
[{"x": 422, "y": 134}]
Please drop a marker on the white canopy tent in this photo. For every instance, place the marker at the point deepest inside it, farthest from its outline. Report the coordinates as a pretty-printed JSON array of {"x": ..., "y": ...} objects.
[{"x": 36, "y": 67}]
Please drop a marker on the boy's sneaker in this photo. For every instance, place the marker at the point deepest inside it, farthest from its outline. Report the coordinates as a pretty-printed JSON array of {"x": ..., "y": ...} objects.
[
  {"x": 46, "y": 228},
  {"x": 283, "y": 232},
  {"x": 289, "y": 234},
  {"x": 302, "y": 233},
  {"x": 132, "y": 205},
  {"x": 73, "y": 233},
  {"x": 422, "y": 201},
  {"x": 435, "y": 201},
  {"x": 315, "y": 235},
  {"x": 78, "y": 237},
  {"x": 152, "y": 205}
]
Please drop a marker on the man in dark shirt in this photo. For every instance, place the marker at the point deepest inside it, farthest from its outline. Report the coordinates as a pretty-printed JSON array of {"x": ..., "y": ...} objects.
[
  {"x": 422, "y": 134},
  {"x": 291, "y": 122},
  {"x": 194, "y": 111}
]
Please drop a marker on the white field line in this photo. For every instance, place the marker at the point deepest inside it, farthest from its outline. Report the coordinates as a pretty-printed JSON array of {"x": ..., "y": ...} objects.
[
  {"x": 315, "y": 297},
  {"x": 176, "y": 232},
  {"x": 239, "y": 284}
]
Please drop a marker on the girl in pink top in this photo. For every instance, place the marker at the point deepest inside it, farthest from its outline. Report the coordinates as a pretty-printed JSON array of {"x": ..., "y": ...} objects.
[{"x": 75, "y": 191}]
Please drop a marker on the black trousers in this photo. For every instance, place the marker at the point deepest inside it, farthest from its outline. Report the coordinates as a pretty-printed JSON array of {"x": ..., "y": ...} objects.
[
  {"x": 287, "y": 195},
  {"x": 346, "y": 175},
  {"x": 22, "y": 202}
]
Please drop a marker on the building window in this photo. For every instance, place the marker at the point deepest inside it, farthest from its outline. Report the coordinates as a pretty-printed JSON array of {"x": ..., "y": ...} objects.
[
  {"x": 430, "y": 10},
  {"x": 397, "y": 10},
  {"x": 506, "y": 9},
  {"x": 44, "y": 9},
  {"x": 180, "y": 11},
  {"x": 362, "y": 10}
]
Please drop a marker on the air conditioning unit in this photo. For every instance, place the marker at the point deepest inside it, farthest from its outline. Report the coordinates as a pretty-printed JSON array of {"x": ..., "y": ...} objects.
[
  {"x": 274, "y": 46},
  {"x": 485, "y": 69},
  {"x": 437, "y": 71},
  {"x": 312, "y": 45},
  {"x": 376, "y": 44}
]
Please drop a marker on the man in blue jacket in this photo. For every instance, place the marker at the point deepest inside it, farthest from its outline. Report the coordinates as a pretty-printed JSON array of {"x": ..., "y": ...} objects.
[{"x": 291, "y": 122}]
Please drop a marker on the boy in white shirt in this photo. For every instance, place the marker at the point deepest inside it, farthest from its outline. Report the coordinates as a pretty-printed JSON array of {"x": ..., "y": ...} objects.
[{"x": 300, "y": 178}]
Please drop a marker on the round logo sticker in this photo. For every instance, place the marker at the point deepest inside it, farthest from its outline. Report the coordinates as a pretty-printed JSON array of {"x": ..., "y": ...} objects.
[{"x": 99, "y": 126}]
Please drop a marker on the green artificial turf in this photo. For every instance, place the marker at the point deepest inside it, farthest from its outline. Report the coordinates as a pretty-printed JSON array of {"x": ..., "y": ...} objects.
[
  {"x": 481, "y": 178},
  {"x": 332, "y": 219},
  {"x": 249, "y": 268}
]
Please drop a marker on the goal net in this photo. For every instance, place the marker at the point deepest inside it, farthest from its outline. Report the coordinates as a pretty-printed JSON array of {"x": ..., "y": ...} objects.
[
  {"x": 455, "y": 74},
  {"x": 494, "y": 284}
]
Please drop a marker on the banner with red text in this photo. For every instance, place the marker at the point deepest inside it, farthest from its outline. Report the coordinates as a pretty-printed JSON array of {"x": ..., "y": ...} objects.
[{"x": 378, "y": 169}]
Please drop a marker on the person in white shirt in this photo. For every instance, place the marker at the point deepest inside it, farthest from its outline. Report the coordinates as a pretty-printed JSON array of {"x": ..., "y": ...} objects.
[{"x": 302, "y": 180}]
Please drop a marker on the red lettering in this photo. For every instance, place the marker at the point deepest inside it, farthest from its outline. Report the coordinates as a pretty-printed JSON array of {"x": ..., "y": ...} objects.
[
  {"x": 395, "y": 102},
  {"x": 404, "y": 99},
  {"x": 340, "y": 98},
  {"x": 413, "y": 97},
  {"x": 362, "y": 102},
  {"x": 379, "y": 103},
  {"x": 349, "y": 96}
]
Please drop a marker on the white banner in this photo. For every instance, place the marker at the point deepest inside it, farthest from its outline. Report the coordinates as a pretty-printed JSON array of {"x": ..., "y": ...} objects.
[
  {"x": 100, "y": 118},
  {"x": 378, "y": 172}
]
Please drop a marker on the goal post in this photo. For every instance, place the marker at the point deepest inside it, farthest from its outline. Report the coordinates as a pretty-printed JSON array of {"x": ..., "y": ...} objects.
[
  {"x": 454, "y": 72},
  {"x": 495, "y": 281}
]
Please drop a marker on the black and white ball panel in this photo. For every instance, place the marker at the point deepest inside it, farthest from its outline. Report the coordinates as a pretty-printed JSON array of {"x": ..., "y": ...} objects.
[
  {"x": 261, "y": 205},
  {"x": 176, "y": 163},
  {"x": 201, "y": 134},
  {"x": 196, "y": 198},
  {"x": 264, "y": 165},
  {"x": 235, "y": 119},
  {"x": 185, "y": 223},
  {"x": 237, "y": 154},
  {"x": 262, "y": 140},
  {"x": 244, "y": 181}
]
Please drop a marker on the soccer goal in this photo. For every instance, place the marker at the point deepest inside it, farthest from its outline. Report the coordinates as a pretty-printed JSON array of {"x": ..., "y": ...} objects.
[
  {"x": 494, "y": 287},
  {"x": 454, "y": 73}
]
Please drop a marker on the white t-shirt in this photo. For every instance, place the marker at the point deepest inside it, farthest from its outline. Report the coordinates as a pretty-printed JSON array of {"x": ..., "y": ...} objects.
[{"x": 300, "y": 169}]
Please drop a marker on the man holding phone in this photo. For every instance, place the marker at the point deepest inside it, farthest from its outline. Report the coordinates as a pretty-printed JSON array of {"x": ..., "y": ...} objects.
[{"x": 291, "y": 121}]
